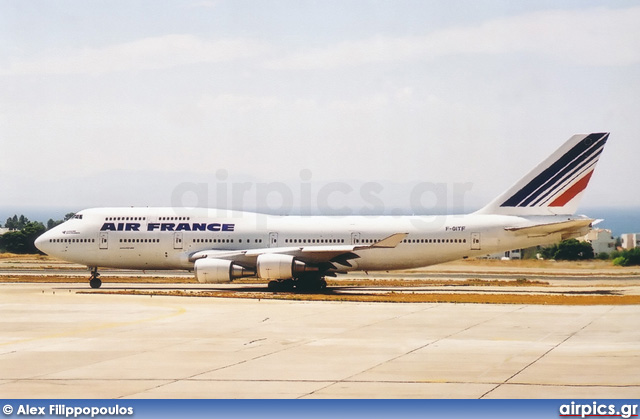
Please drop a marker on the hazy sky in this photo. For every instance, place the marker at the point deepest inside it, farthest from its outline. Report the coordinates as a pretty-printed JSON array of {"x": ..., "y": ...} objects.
[{"x": 122, "y": 102}]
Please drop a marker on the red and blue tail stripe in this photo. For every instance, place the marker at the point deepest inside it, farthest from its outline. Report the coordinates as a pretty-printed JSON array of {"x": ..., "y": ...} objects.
[
  {"x": 564, "y": 179},
  {"x": 554, "y": 186}
]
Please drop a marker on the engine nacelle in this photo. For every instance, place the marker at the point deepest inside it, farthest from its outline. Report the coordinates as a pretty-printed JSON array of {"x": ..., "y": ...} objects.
[
  {"x": 217, "y": 271},
  {"x": 275, "y": 266}
]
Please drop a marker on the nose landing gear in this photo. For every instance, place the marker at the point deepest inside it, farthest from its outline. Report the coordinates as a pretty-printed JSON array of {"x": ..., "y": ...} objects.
[{"x": 94, "y": 279}]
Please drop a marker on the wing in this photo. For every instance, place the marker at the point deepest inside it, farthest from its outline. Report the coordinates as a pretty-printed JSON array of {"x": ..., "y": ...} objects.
[{"x": 326, "y": 257}]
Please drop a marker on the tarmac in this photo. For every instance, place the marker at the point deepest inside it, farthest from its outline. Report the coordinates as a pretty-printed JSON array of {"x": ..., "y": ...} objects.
[{"x": 58, "y": 343}]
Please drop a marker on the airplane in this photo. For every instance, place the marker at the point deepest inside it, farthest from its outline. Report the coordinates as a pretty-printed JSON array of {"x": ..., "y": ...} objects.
[{"x": 299, "y": 252}]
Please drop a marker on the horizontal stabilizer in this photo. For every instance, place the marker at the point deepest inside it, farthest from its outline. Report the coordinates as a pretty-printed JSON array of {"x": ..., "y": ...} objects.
[{"x": 566, "y": 227}]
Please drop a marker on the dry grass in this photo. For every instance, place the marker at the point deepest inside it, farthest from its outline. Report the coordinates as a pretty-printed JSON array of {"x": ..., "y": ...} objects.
[
  {"x": 403, "y": 297},
  {"x": 544, "y": 267},
  {"x": 360, "y": 291},
  {"x": 416, "y": 282},
  {"x": 534, "y": 263},
  {"x": 382, "y": 283},
  {"x": 39, "y": 258}
]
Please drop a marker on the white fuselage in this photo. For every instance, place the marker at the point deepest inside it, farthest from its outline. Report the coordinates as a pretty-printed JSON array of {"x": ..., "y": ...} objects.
[
  {"x": 165, "y": 238},
  {"x": 222, "y": 245}
]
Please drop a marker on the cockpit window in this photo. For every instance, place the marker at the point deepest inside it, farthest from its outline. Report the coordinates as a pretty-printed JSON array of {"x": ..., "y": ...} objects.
[{"x": 77, "y": 216}]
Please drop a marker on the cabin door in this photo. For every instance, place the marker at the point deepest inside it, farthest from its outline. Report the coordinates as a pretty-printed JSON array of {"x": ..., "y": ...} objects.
[
  {"x": 177, "y": 240},
  {"x": 103, "y": 240},
  {"x": 475, "y": 241},
  {"x": 273, "y": 239}
]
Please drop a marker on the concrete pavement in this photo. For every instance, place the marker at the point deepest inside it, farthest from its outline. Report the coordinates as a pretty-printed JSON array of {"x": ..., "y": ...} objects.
[{"x": 55, "y": 343}]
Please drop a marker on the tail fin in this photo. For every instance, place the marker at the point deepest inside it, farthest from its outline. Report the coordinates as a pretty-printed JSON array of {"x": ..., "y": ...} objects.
[{"x": 555, "y": 186}]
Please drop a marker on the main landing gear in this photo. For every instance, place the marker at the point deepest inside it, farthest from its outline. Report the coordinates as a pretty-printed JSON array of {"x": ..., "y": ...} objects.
[
  {"x": 308, "y": 283},
  {"x": 94, "y": 279}
]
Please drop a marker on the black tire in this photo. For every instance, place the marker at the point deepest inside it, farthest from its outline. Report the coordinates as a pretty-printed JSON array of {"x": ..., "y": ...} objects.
[
  {"x": 288, "y": 285},
  {"x": 283, "y": 285},
  {"x": 95, "y": 283},
  {"x": 311, "y": 284}
]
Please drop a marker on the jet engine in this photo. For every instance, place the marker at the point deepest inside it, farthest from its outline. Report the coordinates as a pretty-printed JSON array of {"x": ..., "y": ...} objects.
[
  {"x": 216, "y": 271},
  {"x": 275, "y": 266}
]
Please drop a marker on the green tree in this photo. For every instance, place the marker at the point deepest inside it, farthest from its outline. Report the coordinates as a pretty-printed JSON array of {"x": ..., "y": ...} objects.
[
  {"x": 571, "y": 249},
  {"x": 16, "y": 223},
  {"x": 52, "y": 223},
  {"x": 633, "y": 256},
  {"x": 22, "y": 241},
  {"x": 11, "y": 223},
  {"x": 628, "y": 257},
  {"x": 549, "y": 252}
]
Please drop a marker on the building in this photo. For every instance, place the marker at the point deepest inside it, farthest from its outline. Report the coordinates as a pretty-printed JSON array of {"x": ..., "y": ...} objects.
[
  {"x": 601, "y": 240},
  {"x": 630, "y": 240}
]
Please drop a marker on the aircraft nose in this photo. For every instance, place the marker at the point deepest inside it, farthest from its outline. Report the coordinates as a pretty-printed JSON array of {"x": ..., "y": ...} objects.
[{"x": 42, "y": 243}]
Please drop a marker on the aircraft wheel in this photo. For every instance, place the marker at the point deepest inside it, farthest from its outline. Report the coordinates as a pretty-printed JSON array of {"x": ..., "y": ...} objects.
[
  {"x": 95, "y": 283},
  {"x": 286, "y": 285},
  {"x": 311, "y": 284}
]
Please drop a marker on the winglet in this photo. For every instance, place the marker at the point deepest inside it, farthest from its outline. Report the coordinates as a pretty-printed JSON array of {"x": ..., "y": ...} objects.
[{"x": 391, "y": 241}]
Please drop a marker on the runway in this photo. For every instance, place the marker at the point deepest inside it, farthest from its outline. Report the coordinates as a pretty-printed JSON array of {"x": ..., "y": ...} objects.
[{"x": 58, "y": 343}]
